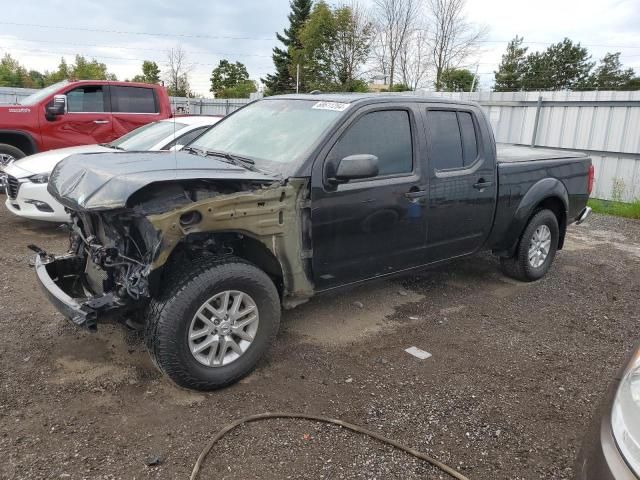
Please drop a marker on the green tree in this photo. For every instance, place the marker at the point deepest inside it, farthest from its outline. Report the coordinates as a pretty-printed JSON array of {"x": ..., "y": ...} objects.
[
  {"x": 12, "y": 74},
  {"x": 562, "y": 66},
  {"x": 508, "y": 78},
  {"x": 150, "y": 73},
  {"x": 457, "y": 80},
  {"x": 231, "y": 80},
  {"x": 610, "y": 74},
  {"x": 335, "y": 43},
  {"x": 84, "y": 69},
  {"x": 282, "y": 81}
]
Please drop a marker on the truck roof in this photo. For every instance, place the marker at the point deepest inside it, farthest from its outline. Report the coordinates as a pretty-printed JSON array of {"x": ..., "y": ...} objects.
[{"x": 368, "y": 98}]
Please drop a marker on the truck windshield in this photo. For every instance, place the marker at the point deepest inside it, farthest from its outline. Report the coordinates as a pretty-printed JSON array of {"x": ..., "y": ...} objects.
[
  {"x": 42, "y": 94},
  {"x": 276, "y": 134},
  {"x": 147, "y": 136}
]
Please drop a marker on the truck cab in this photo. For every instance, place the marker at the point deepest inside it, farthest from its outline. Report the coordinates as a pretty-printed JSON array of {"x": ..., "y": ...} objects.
[{"x": 71, "y": 113}]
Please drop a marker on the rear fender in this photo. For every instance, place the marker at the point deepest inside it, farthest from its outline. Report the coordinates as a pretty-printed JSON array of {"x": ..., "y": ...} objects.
[{"x": 545, "y": 190}]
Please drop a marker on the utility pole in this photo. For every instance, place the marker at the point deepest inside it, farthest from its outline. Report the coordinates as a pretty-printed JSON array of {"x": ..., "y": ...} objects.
[
  {"x": 298, "y": 78},
  {"x": 475, "y": 76}
]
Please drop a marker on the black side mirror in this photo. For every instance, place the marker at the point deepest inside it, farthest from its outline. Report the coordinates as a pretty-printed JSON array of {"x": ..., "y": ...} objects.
[
  {"x": 57, "y": 107},
  {"x": 355, "y": 167}
]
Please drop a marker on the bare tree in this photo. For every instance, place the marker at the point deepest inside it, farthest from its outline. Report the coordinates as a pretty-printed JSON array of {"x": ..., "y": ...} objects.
[
  {"x": 395, "y": 21},
  {"x": 452, "y": 38},
  {"x": 178, "y": 69},
  {"x": 414, "y": 60}
]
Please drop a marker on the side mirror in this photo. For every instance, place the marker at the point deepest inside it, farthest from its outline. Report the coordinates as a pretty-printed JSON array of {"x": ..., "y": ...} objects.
[
  {"x": 176, "y": 148},
  {"x": 355, "y": 167},
  {"x": 57, "y": 107}
]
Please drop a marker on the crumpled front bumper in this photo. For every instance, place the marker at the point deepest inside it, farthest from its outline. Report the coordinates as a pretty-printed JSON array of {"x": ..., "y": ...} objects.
[{"x": 61, "y": 278}]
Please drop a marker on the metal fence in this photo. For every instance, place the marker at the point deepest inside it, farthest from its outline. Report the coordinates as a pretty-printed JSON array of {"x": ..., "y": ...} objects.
[{"x": 606, "y": 125}]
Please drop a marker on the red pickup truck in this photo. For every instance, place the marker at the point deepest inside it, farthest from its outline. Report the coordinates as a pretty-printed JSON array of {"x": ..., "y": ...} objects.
[{"x": 72, "y": 113}]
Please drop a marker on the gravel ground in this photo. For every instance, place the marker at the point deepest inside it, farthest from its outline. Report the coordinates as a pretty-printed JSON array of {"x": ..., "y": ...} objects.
[{"x": 516, "y": 372}]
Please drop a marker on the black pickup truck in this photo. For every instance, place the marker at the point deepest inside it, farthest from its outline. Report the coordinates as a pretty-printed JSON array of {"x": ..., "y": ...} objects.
[{"x": 289, "y": 197}]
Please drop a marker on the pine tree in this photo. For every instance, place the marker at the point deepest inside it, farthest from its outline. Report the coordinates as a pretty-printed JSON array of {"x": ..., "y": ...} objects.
[
  {"x": 508, "y": 78},
  {"x": 610, "y": 74},
  {"x": 283, "y": 80},
  {"x": 562, "y": 66}
]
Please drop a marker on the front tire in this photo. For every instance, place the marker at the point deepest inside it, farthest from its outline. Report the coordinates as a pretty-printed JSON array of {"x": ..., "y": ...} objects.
[
  {"x": 212, "y": 323},
  {"x": 536, "y": 248},
  {"x": 9, "y": 153}
]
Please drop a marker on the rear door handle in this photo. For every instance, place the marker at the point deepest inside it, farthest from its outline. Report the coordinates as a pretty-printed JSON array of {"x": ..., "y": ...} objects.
[
  {"x": 100, "y": 122},
  {"x": 412, "y": 195},
  {"x": 482, "y": 184}
]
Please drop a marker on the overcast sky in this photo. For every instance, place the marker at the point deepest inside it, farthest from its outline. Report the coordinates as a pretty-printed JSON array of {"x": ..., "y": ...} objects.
[{"x": 244, "y": 30}]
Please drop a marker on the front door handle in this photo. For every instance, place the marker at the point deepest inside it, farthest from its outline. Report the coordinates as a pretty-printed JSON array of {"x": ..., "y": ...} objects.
[
  {"x": 482, "y": 184},
  {"x": 100, "y": 122}
]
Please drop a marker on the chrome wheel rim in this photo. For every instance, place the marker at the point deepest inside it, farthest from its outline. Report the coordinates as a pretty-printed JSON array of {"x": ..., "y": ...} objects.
[
  {"x": 223, "y": 328},
  {"x": 539, "y": 246},
  {"x": 6, "y": 159}
]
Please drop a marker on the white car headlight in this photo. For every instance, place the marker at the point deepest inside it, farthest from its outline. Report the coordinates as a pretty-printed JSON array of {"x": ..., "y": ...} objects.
[
  {"x": 40, "y": 178},
  {"x": 625, "y": 416}
]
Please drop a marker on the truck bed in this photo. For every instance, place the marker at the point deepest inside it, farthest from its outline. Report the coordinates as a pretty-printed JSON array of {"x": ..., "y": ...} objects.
[{"x": 510, "y": 153}]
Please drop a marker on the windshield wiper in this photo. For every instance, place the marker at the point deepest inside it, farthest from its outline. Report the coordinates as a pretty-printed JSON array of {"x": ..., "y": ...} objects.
[
  {"x": 194, "y": 151},
  {"x": 247, "y": 163}
]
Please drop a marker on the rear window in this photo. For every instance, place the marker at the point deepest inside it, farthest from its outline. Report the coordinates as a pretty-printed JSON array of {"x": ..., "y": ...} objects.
[
  {"x": 453, "y": 139},
  {"x": 133, "y": 100},
  {"x": 147, "y": 136}
]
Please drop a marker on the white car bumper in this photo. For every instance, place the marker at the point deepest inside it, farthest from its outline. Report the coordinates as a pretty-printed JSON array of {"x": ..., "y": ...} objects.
[{"x": 34, "y": 202}]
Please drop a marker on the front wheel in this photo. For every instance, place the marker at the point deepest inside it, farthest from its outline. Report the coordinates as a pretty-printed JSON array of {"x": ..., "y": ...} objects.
[
  {"x": 9, "y": 153},
  {"x": 536, "y": 249},
  {"x": 213, "y": 323}
]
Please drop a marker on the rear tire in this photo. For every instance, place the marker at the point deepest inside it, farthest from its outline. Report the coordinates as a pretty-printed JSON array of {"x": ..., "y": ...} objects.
[
  {"x": 9, "y": 153},
  {"x": 536, "y": 248},
  {"x": 177, "y": 321}
]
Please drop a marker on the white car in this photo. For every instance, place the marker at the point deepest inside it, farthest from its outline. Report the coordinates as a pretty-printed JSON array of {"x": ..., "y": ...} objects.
[{"x": 26, "y": 179}]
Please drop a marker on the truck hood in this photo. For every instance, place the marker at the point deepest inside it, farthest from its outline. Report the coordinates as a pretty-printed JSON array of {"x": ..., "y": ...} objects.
[
  {"x": 45, "y": 161},
  {"x": 104, "y": 181}
]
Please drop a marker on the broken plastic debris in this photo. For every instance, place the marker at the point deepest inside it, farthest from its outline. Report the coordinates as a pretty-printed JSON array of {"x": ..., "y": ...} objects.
[{"x": 418, "y": 353}]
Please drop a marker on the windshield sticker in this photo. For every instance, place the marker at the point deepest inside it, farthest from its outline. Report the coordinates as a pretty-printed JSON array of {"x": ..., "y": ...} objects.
[{"x": 335, "y": 106}]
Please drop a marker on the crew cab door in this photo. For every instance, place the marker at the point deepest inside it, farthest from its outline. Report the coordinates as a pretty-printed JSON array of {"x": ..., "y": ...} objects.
[
  {"x": 462, "y": 184},
  {"x": 132, "y": 107},
  {"x": 87, "y": 119},
  {"x": 375, "y": 226}
]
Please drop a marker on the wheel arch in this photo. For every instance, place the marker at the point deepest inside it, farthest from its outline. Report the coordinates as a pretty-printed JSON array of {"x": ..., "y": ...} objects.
[
  {"x": 548, "y": 193},
  {"x": 19, "y": 139},
  {"x": 236, "y": 244}
]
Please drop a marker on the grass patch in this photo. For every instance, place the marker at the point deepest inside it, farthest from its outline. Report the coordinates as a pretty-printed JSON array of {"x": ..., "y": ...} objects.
[{"x": 619, "y": 209}]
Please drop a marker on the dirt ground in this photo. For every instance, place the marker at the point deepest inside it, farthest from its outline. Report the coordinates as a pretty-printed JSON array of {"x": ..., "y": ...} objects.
[{"x": 516, "y": 372}]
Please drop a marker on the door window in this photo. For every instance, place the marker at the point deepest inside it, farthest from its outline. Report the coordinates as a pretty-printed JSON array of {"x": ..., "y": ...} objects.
[
  {"x": 469, "y": 140},
  {"x": 133, "y": 100},
  {"x": 87, "y": 99},
  {"x": 453, "y": 137},
  {"x": 385, "y": 134}
]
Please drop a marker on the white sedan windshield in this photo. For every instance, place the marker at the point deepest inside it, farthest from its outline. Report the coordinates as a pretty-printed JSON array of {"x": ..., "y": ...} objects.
[{"x": 279, "y": 131}]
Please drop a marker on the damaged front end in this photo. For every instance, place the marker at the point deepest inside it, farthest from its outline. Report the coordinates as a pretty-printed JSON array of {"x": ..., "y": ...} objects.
[
  {"x": 107, "y": 266},
  {"x": 117, "y": 258}
]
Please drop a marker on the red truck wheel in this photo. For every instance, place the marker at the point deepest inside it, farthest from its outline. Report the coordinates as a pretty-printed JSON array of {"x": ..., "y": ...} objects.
[{"x": 9, "y": 153}]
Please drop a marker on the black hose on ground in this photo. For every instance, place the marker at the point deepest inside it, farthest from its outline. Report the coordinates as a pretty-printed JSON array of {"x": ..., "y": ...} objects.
[{"x": 318, "y": 418}]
